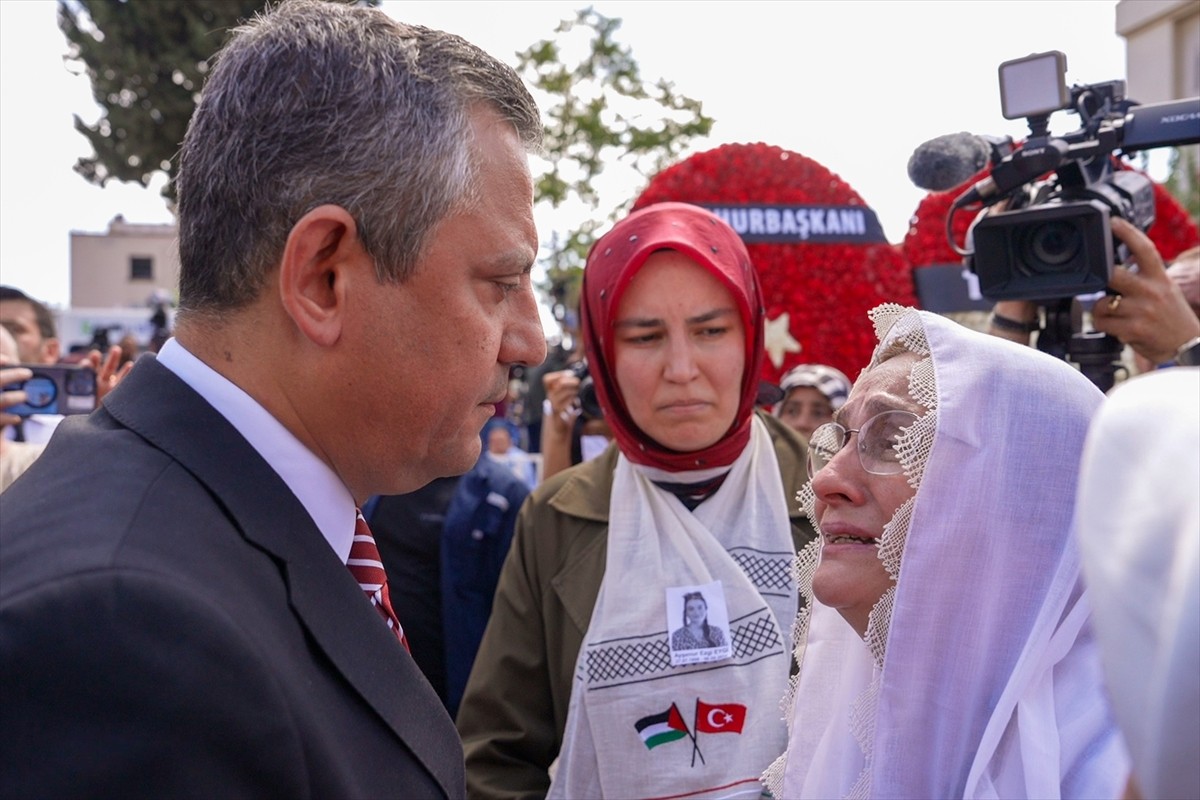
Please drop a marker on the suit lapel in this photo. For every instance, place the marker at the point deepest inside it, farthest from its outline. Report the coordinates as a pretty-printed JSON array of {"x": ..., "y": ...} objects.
[{"x": 165, "y": 411}]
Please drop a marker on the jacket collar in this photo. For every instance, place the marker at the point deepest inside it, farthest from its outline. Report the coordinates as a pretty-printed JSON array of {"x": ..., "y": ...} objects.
[{"x": 327, "y": 601}]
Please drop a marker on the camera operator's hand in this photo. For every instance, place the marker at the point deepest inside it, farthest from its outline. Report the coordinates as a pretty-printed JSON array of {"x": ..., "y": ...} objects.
[
  {"x": 558, "y": 421},
  {"x": 107, "y": 374},
  {"x": 562, "y": 392},
  {"x": 1148, "y": 311},
  {"x": 1014, "y": 320},
  {"x": 9, "y": 399}
]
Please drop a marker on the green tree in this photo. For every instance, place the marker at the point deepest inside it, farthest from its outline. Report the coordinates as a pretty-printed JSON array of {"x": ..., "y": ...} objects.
[
  {"x": 146, "y": 60},
  {"x": 599, "y": 112},
  {"x": 1183, "y": 180}
]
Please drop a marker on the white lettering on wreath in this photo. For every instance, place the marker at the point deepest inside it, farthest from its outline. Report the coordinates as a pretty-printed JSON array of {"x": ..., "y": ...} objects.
[
  {"x": 756, "y": 221},
  {"x": 798, "y": 223}
]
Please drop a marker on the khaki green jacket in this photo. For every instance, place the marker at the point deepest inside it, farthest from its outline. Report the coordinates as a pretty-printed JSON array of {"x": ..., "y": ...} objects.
[{"x": 514, "y": 711}]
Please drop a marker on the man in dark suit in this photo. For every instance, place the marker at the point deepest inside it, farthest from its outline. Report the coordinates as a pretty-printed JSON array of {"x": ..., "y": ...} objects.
[{"x": 178, "y": 613}]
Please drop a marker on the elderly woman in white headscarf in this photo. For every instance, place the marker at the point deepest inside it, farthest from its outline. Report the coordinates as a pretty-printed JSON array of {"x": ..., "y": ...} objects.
[{"x": 947, "y": 650}]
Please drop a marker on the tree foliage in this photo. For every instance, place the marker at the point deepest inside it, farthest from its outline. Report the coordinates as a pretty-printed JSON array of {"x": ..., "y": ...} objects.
[
  {"x": 601, "y": 112},
  {"x": 146, "y": 60},
  {"x": 1183, "y": 181}
]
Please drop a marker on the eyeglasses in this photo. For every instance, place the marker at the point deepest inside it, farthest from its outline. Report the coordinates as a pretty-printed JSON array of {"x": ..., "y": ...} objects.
[{"x": 876, "y": 443}]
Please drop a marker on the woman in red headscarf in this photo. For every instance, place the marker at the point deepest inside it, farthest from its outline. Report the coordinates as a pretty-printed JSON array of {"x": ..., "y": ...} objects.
[{"x": 577, "y": 683}]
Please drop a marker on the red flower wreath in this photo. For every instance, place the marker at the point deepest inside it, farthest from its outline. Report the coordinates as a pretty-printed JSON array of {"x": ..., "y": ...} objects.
[
  {"x": 1173, "y": 230},
  {"x": 826, "y": 289}
]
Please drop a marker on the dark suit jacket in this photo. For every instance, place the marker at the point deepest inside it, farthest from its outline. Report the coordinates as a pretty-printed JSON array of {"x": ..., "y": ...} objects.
[{"x": 173, "y": 624}]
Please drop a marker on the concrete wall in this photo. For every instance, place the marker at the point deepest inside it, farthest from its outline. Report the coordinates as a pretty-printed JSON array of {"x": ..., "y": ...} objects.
[
  {"x": 101, "y": 265},
  {"x": 1162, "y": 39}
]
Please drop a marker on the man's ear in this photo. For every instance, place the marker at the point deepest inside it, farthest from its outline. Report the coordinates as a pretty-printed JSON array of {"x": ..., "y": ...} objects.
[{"x": 321, "y": 246}]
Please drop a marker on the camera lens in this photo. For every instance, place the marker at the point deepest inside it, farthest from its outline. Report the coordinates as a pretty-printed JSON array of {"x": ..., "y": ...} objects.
[
  {"x": 40, "y": 392},
  {"x": 1051, "y": 246}
]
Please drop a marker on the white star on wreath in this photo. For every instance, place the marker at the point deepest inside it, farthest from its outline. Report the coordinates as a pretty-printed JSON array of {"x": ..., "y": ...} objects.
[{"x": 778, "y": 340}]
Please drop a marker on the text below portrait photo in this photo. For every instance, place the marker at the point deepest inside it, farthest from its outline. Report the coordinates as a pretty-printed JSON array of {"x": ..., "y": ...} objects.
[{"x": 698, "y": 619}]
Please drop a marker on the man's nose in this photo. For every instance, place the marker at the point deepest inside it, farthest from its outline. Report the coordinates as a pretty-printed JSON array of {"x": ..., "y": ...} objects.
[{"x": 525, "y": 341}]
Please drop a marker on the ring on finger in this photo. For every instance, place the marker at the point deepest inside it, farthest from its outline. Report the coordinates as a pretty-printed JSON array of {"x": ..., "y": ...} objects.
[{"x": 1114, "y": 302}]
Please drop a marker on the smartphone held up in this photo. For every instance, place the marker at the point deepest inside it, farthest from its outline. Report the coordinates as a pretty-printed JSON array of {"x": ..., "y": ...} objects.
[{"x": 55, "y": 389}]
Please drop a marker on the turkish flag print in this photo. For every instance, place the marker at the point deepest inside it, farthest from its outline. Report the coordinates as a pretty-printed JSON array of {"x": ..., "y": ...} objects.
[{"x": 726, "y": 718}]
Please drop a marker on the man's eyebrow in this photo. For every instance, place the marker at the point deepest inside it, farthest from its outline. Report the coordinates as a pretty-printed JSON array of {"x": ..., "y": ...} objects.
[{"x": 516, "y": 260}]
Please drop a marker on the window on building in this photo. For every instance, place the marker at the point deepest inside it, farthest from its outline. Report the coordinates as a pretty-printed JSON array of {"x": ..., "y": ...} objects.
[{"x": 141, "y": 268}]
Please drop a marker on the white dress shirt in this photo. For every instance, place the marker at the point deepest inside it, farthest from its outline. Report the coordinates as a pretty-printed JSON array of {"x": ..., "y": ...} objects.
[{"x": 316, "y": 486}]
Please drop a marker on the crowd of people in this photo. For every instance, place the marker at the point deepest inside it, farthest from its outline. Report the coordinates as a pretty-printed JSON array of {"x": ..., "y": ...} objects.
[{"x": 965, "y": 571}]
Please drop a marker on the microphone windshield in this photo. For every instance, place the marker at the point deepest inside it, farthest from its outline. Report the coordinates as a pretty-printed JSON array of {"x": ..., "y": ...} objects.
[{"x": 947, "y": 161}]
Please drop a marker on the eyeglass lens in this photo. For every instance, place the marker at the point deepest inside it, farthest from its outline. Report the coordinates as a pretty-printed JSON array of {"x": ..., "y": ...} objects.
[{"x": 876, "y": 443}]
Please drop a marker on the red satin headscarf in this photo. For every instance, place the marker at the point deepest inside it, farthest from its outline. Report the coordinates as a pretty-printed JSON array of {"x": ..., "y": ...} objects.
[{"x": 612, "y": 263}]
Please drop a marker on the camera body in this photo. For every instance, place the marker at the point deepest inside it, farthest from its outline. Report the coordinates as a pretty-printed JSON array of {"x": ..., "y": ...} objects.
[
  {"x": 1062, "y": 244},
  {"x": 588, "y": 402},
  {"x": 55, "y": 389},
  {"x": 1053, "y": 240}
]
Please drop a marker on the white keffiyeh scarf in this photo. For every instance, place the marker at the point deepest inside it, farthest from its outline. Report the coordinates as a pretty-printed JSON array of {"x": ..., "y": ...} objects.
[{"x": 637, "y": 725}]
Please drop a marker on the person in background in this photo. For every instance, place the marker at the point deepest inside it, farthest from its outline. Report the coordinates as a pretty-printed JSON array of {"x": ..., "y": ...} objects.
[
  {"x": 575, "y": 679},
  {"x": 812, "y": 392},
  {"x": 1185, "y": 272},
  {"x": 191, "y": 603},
  {"x": 949, "y": 651},
  {"x": 1146, "y": 310},
  {"x": 32, "y": 325},
  {"x": 572, "y": 431},
  {"x": 408, "y": 528},
  {"x": 500, "y": 449},
  {"x": 129, "y": 349},
  {"x": 445, "y": 544},
  {"x": 1137, "y": 520},
  {"x": 476, "y": 537},
  {"x": 15, "y": 457}
]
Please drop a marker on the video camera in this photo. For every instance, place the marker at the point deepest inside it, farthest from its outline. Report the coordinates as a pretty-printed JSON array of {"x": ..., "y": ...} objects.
[{"x": 1053, "y": 240}]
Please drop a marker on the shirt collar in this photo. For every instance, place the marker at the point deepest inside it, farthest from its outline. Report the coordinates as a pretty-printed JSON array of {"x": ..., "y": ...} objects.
[{"x": 315, "y": 484}]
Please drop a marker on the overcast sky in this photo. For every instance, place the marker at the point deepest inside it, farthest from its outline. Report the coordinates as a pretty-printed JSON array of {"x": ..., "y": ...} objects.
[{"x": 853, "y": 84}]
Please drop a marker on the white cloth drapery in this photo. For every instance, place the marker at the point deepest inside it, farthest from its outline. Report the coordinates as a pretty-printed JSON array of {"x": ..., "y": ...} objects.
[
  {"x": 740, "y": 537},
  {"x": 1138, "y": 525}
]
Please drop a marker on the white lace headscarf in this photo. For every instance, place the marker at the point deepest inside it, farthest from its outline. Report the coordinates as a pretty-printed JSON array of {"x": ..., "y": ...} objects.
[
  {"x": 1138, "y": 524},
  {"x": 979, "y": 675}
]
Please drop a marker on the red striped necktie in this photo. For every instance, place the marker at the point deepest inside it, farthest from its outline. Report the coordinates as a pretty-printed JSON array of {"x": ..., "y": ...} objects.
[{"x": 367, "y": 568}]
